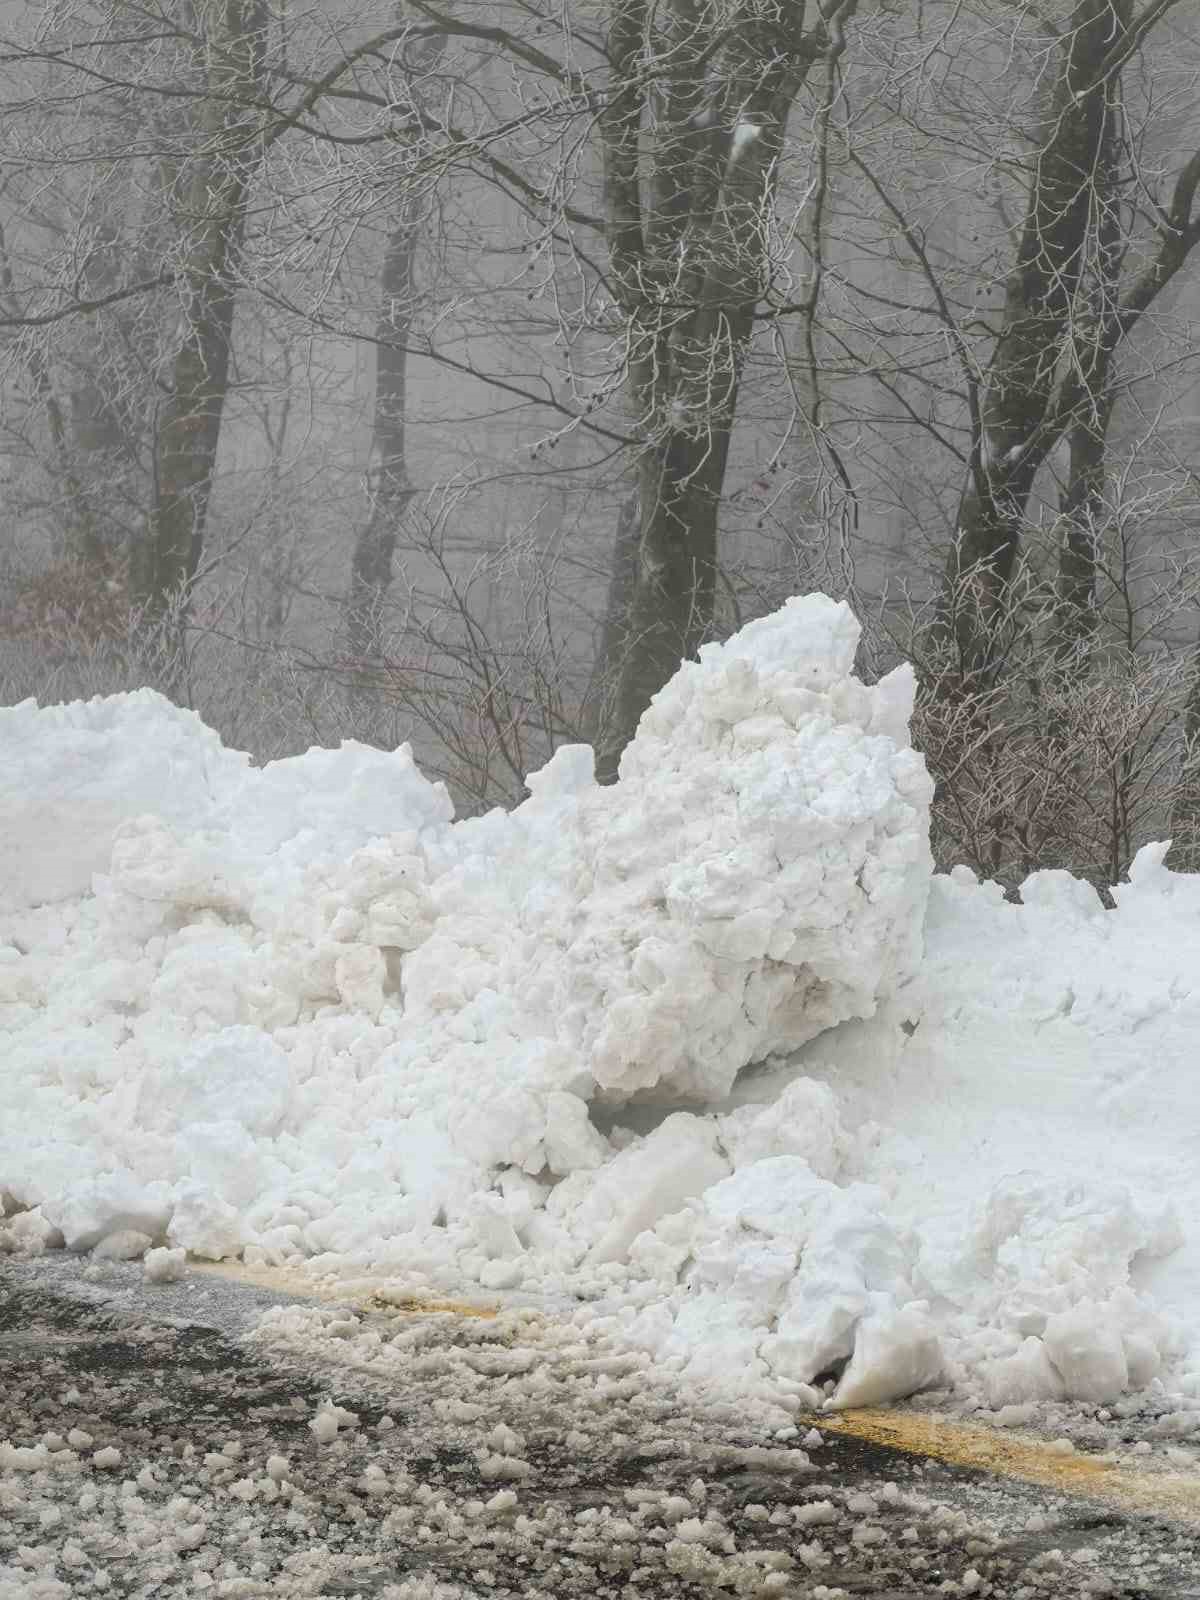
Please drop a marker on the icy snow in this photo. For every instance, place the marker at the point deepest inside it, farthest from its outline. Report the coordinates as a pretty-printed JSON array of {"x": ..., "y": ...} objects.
[
  {"x": 164, "y": 1266},
  {"x": 296, "y": 1013}
]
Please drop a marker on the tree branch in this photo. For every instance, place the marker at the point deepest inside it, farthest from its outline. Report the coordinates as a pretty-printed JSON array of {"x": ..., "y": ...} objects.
[{"x": 83, "y": 307}]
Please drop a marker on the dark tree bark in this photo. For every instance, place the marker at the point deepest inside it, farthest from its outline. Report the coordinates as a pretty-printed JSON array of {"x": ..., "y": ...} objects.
[
  {"x": 1184, "y": 854},
  {"x": 1051, "y": 371},
  {"x": 81, "y": 427},
  {"x": 391, "y": 487},
  {"x": 215, "y": 187},
  {"x": 371, "y": 563},
  {"x": 1009, "y": 445},
  {"x": 1082, "y": 508},
  {"x": 1081, "y": 503},
  {"x": 614, "y": 628},
  {"x": 688, "y": 255}
]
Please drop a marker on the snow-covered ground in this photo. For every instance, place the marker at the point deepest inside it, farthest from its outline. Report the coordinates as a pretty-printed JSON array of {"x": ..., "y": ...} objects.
[{"x": 712, "y": 1051}]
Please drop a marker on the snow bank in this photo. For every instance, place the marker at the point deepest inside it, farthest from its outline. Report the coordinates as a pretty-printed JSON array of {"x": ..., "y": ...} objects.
[
  {"x": 1039, "y": 1129},
  {"x": 295, "y": 1010},
  {"x": 73, "y": 774},
  {"x": 298, "y": 1014},
  {"x": 1026, "y": 1112}
]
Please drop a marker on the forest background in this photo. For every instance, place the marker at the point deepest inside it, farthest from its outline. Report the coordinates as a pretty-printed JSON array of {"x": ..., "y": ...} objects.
[{"x": 450, "y": 372}]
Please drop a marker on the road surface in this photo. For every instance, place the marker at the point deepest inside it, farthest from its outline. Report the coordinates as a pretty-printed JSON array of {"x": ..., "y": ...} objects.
[{"x": 217, "y": 1438}]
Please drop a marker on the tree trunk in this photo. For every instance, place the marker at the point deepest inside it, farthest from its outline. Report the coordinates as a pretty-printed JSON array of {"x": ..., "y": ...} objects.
[
  {"x": 670, "y": 600},
  {"x": 82, "y": 542},
  {"x": 1081, "y": 504},
  {"x": 391, "y": 488},
  {"x": 214, "y": 199},
  {"x": 1081, "y": 507},
  {"x": 614, "y": 628},
  {"x": 1184, "y": 854},
  {"x": 1016, "y": 392},
  {"x": 688, "y": 248}
]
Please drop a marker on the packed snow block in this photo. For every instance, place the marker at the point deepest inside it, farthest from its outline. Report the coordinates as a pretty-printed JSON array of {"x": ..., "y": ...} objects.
[
  {"x": 801, "y": 1120},
  {"x": 204, "y": 1224},
  {"x": 126, "y": 1244},
  {"x": 28, "y": 1233},
  {"x": 1027, "y": 1375},
  {"x": 607, "y": 1209},
  {"x": 108, "y": 1202},
  {"x": 572, "y": 1142},
  {"x": 850, "y": 1298},
  {"x": 1042, "y": 1246},
  {"x": 758, "y": 875},
  {"x": 238, "y": 1075},
  {"x": 765, "y": 857},
  {"x": 72, "y": 774},
  {"x": 1085, "y": 1347},
  {"x": 337, "y": 800},
  {"x": 897, "y": 1352},
  {"x": 776, "y": 1274},
  {"x": 164, "y": 1266}
]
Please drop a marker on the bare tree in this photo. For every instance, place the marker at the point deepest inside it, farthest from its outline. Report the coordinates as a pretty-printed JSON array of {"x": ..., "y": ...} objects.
[
  {"x": 710, "y": 90},
  {"x": 670, "y": 310},
  {"x": 390, "y": 485},
  {"x": 160, "y": 230},
  {"x": 1065, "y": 313},
  {"x": 229, "y": 44}
]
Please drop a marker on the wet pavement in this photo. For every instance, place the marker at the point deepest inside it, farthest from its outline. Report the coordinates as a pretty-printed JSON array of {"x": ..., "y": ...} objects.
[{"x": 174, "y": 1440}]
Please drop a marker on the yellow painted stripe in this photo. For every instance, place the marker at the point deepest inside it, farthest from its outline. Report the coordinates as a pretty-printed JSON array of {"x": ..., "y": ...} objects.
[
  {"x": 1146, "y": 1488},
  {"x": 365, "y": 1294}
]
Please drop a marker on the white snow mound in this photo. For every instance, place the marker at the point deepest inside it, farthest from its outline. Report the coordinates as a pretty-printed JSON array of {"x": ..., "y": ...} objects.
[
  {"x": 297, "y": 1013},
  {"x": 296, "y": 1009}
]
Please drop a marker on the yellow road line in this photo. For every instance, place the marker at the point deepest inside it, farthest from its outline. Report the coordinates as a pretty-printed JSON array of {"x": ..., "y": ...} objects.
[
  {"x": 367, "y": 1294},
  {"x": 1119, "y": 1483},
  {"x": 1164, "y": 1493}
]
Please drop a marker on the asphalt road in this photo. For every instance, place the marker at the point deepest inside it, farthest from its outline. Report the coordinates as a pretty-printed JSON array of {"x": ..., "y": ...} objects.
[{"x": 158, "y": 1446}]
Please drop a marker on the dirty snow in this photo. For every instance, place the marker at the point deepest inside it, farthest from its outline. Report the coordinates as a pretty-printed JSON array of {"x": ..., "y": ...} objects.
[
  {"x": 584, "y": 1475},
  {"x": 296, "y": 1014}
]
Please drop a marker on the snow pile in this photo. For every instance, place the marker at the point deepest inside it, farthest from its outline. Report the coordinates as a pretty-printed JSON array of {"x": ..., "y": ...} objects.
[
  {"x": 1039, "y": 1128},
  {"x": 1000, "y": 1175},
  {"x": 298, "y": 1014},
  {"x": 295, "y": 1011}
]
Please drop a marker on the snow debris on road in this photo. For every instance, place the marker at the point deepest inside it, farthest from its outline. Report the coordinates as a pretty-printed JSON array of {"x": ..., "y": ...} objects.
[
  {"x": 164, "y": 1266},
  {"x": 296, "y": 1014},
  {"x": 617, "y": 1482}
]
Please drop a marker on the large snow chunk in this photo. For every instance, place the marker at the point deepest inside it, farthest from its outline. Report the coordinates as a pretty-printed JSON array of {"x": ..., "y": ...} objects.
[
  {"x": 110, "y": 1201},
  {"x": 896, "y": 1352},
  {"x": 770, "y": 857},
  {"x": 608, "y": 1209},
  {"x": 204, "y": 1224},
  {"x": 1026, "y": 1375},
  {"x": 239, "y": 1074},
  {"x": 1087, "y": 1349},
  {"x": 1042, "y": 1246},
  {"x": 801, "y": 1121},
  {"x": 339, "y": 798},
  {"x": 75, "y": 775},
  {"x": 72, "y": 774},
  {"x": 758, "y": 875},
  {"x": 778, "y": 1273}
]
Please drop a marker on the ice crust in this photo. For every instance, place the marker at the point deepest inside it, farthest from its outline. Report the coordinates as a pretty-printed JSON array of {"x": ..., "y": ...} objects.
[{"x": 297, "y": 1013}]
